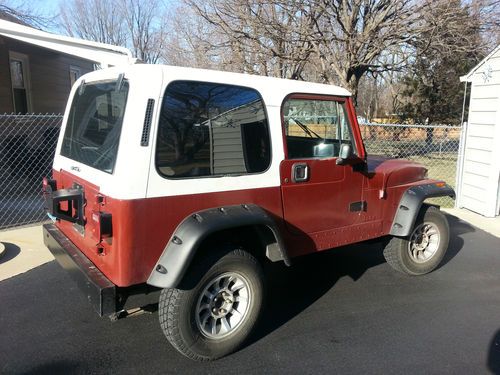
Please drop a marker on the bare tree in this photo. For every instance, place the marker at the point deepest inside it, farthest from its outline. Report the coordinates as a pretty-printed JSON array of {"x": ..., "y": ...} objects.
[
  {"x": 136, "y": 24},
  {"x": 22, "y": 12},
  {"x": 145, "y": 27},
  {"x": 331, "y": 41},
  {"x": 265, "y": 37},
  {"x": 340, "y": 40},
  {"x": 94, "y": 20}
]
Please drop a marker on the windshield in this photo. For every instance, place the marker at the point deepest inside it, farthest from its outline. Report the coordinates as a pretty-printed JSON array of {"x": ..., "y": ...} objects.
[{"x": 94, "y": 124}]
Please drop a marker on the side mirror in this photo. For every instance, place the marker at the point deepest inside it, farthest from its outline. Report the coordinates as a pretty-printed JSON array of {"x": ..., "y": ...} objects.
[{"x": 344, "y": 154}]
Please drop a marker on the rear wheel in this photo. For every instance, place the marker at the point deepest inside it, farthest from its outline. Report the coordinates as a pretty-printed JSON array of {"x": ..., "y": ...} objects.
[
  {"x": 216, "y": 316},
  {"x": 422, "y": 251}
]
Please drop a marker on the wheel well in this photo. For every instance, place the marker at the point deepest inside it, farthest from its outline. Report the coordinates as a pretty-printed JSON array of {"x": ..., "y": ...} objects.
[{"x": 255, "y": 239}]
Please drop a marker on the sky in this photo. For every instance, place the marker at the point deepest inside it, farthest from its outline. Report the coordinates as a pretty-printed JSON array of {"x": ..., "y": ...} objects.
[
  {"x": 50, "y": 8},
  {"x": 47, "y": 8}
]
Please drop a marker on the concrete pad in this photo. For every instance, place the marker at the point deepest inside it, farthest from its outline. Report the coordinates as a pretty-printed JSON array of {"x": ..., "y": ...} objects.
[
  {"x": 24, "y": 250},
  {"x": 487, "y": 224}
]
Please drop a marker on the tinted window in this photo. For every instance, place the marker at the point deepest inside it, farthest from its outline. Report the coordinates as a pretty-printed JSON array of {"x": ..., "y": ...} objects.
[
  {"x": 94, "y": 124},
  {"x": 210, "y": 129},
  {"x": 316, "y": 128}
]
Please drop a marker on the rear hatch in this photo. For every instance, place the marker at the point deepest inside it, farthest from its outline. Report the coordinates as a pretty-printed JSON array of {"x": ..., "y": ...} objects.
[{"x": 90, "y": 141}]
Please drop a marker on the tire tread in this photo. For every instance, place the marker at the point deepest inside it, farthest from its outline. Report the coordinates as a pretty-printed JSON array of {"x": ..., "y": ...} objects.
[{"x": 170, "y": 299}]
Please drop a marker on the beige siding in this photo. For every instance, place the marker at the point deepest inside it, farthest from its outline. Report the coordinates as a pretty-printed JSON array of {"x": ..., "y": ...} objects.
[{"x": 49, "y": 74}]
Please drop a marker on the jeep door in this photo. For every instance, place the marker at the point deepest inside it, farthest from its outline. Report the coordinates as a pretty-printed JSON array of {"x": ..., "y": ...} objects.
[{"x": 318, "y": 194}]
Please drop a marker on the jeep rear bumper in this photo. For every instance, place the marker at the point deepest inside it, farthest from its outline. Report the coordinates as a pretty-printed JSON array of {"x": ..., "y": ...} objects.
[{"x": 100, "y": 291}]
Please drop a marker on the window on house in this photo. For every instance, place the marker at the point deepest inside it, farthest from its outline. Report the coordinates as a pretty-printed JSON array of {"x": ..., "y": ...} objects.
[
  {"x": 20, "y": 83},
  {"x": 210, "y": 129},
  {"x": 74, "y": 74}
]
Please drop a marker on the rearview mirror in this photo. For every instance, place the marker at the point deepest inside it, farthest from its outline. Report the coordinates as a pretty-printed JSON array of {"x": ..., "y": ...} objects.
[{"x": 344, "y": 154}]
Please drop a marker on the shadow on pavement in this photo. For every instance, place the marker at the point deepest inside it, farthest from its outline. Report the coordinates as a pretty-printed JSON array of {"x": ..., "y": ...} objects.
[
  {"x": 11, "y": 251},
  {"x": 56, "y": 367},
  {"x": 457, "y": 228},
  {"x": 494, "y": 354},
  {"x": 293, "y": 289}
]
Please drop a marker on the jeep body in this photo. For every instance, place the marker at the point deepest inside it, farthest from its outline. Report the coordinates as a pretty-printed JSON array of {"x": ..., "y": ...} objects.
[{"x": 155, "y": 162}]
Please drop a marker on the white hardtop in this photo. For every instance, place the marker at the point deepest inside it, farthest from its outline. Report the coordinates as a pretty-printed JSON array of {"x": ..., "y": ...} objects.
[
  {"x": 273, "y": 90},
  {"x": 135, "y": 175}
]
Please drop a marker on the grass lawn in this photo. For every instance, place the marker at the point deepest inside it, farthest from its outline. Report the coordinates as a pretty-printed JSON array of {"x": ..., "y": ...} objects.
[{"x": 441, "y": 168}]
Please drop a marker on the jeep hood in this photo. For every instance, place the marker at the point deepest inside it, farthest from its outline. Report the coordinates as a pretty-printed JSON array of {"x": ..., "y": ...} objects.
[{"x": 384, "y": 172}]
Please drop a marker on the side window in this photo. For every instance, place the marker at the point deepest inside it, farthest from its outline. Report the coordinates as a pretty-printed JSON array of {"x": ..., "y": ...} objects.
[
  {"x": 315, "y": 128},
  {"x": 208, "y": 129}
]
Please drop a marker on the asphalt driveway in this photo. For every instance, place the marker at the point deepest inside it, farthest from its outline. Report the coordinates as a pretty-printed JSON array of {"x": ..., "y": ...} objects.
[{"x": 344, "y": 311}]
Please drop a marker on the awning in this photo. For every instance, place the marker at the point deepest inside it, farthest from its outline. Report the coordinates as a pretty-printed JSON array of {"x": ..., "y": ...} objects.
[{"x": 101, "y": 53}]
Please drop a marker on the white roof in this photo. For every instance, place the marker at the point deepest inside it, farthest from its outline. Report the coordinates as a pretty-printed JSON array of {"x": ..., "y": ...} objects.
[
  {"x": 104, "y": 54},
  {"x": 468, "y": 76},
  {"x": 272, "y": 89}
]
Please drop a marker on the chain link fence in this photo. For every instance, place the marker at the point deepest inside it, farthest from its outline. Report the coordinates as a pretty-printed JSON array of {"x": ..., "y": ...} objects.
[
  {"x": 434, "y": 146},
  {"x": 27, "y": 144}
]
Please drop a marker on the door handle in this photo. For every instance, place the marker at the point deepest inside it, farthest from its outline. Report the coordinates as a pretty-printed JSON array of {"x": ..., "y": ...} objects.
[{"x": 300, "y": 172}]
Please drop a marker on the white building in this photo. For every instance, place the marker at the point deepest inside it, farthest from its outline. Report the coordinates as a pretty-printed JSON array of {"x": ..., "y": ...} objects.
[{"x": 478, "y": 172}]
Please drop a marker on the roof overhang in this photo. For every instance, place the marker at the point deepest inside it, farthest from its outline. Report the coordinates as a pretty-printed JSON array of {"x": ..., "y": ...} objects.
[
  {"x": 468, "y": 76},
  {"x": 101, "y": 53}
]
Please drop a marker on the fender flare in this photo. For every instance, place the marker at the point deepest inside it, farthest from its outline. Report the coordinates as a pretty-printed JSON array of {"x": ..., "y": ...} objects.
[
  {"x": 411, "y": 202},
  {"x": 189, "y": 235}
]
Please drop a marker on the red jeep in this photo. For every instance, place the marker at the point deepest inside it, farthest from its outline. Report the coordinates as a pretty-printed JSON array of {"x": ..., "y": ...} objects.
[{"x": 182, "y": 182}]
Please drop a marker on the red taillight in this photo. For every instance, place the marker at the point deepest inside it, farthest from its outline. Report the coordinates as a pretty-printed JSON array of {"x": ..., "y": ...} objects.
[{"x": 48, "y": 182}]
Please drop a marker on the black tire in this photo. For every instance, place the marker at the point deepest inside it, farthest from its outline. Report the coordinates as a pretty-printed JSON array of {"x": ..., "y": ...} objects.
[
  {"x": 179, "y": 308},
  {"x": 398, "y": 251}
]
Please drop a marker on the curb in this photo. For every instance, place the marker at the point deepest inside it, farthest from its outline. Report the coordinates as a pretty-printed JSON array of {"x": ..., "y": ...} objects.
[{"x": 2, "y": 250}]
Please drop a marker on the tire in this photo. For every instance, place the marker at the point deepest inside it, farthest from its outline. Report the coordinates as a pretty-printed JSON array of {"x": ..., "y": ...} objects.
[
  {"x": 216, "y": 316},
  {"x": 423, "y": 250}
]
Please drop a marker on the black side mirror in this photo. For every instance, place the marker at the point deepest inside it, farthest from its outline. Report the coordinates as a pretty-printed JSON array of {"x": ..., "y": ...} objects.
[{"x": 344, "y": 154}]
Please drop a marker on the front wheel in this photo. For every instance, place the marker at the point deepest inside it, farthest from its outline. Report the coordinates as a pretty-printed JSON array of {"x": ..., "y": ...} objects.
[
  {"x": 217, "y": 315},
  {"x": 423, "y": 250}
]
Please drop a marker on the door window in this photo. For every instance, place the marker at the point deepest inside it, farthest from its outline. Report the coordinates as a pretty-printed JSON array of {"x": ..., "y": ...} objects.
[{"x": 315, "y": 128}]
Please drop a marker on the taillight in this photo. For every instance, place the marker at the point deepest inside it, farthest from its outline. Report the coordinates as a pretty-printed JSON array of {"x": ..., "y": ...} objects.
[{"x": 48, "y": 182}]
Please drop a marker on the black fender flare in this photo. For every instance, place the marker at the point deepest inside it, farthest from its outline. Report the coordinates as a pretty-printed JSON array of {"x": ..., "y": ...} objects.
[
  {"x": 189, "y": 235},
  {"x": 411, "y": 202}
]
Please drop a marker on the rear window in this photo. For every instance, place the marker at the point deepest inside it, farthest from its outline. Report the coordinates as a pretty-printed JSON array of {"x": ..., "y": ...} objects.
[
  {"x": 94, "y": 124},
  {"x": 211, "y": 129}
]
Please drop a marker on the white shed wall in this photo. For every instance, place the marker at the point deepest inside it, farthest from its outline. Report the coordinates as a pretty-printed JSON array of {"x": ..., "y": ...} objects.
[{"x": 479, "y": 190}]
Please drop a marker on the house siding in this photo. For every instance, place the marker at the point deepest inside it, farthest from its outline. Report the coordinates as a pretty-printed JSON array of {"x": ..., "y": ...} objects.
[
  {"x": 49, "y": 76},
  {"x": 481, "y": 170},
  {"x": 5, "y": 85}
]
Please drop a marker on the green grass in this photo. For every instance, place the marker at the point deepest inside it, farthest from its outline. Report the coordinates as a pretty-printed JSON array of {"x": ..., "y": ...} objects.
[{"x": 440, "y": 168}]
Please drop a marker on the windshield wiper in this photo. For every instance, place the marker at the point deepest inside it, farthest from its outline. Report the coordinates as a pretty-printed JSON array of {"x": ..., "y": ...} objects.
[{"x": 306, "y": 130}]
